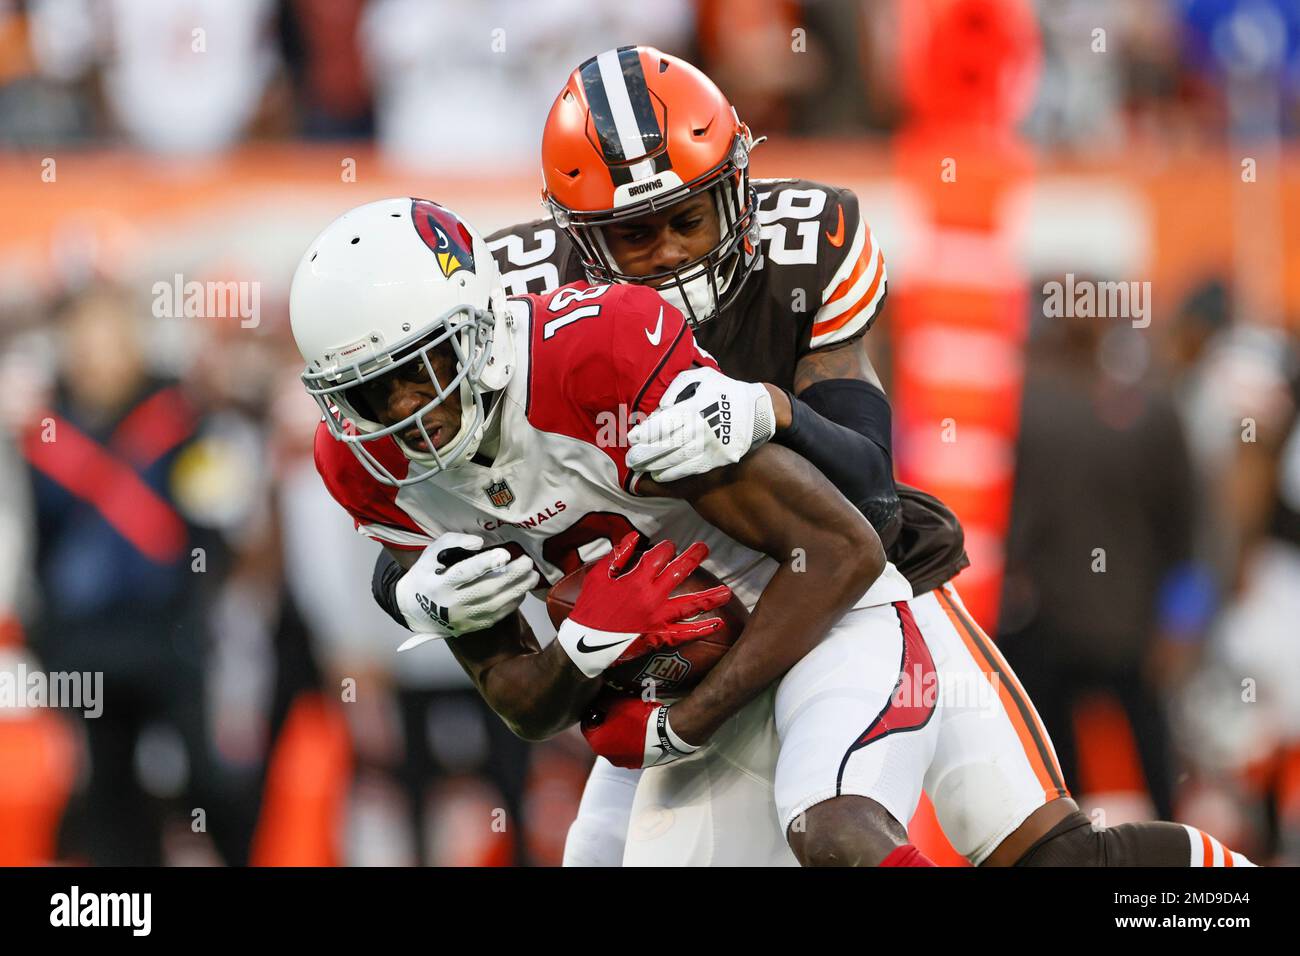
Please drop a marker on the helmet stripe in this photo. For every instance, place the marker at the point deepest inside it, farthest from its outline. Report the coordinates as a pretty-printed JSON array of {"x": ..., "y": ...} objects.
[
  {"x": 638, "y": 94},
  {"x": 601, "y": 117},
  {"x": 615, "y": 67}
]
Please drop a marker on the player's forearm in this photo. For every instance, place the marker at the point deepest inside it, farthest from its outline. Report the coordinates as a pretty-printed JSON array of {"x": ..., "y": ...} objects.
[
  {"x": 538, "y": 693},
  {"x": 784, "y": 627},
  {"x": 389, "y": 570},
  {"x": 776, "y": 502},
  {"x": 842, "y": 426}
]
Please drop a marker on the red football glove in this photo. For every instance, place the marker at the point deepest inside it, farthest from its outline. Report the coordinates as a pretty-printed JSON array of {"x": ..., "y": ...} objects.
[
  {"x": 620, "y": 616},
  {"x": 633, "y": 733}
]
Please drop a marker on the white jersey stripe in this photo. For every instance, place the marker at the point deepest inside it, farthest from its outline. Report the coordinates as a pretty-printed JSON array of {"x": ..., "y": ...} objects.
[
  {"x": 856, "y": 291},
  {"x": 850, "y": 328},
  {"x": 850, "y": 260},
  {"x": 1198, "y": 849}
]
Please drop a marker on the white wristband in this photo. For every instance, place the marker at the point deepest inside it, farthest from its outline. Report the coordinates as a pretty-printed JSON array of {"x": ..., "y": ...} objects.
[
  {"x": 592, "y": 651},
  {"x": 661, "y": 744}
]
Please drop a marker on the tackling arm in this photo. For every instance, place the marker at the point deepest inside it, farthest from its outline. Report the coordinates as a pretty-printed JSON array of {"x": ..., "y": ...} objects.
[{"x": 839, "y": 419}]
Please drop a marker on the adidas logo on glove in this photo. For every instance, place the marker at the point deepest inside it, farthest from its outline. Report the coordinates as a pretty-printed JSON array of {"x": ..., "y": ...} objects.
[
  {"x": 439, "y": 614},
  {"x": 718, "y": 415}
]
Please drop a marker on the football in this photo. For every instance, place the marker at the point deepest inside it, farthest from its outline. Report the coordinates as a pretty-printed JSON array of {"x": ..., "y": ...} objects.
[{"x": 674, "y": 670}]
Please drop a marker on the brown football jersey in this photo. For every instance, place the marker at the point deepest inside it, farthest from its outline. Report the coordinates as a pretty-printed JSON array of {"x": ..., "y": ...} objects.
[{"x": 819, "y": 281}]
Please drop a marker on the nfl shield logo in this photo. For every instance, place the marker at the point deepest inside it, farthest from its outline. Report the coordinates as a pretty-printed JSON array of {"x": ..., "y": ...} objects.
[
  {"x": 666, "y": 670},
  {"x": 499, "y": 494}
]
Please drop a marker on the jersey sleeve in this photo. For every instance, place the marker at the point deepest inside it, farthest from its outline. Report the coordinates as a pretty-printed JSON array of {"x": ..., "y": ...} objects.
[
  {"x": 645, "y": 362},
  {"x": 852, "y": 281},
  {"x": 372, "y": 506},
  {"x": 605, "y": 372},
  {"x": 650, "y": 344}
]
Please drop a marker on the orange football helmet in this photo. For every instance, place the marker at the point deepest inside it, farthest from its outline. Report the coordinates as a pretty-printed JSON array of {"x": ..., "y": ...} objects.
[{"x": 633, "y": 131}]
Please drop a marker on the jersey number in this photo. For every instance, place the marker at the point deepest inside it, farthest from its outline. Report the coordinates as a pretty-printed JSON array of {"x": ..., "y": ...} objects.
[
  {"x": 533, "y": 269},
  {"x": 561, "y": 550},
  {"x": 565, "y": 298},
  {"x": 803, "y": 205}
]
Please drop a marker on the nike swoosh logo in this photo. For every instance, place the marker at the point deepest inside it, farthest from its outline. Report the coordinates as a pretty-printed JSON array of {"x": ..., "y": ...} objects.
[
  {"x": 837, "y": 239},
  {"x": 657, "y": 334},
  {"x": 586, "y": 648}
]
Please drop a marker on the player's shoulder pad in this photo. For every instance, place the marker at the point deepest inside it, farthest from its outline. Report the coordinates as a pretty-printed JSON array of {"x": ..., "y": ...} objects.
[
  {"x": 787, "y": 209},
  {"x": 806, "y": 230},
  {"x": 651, "y": 342},
  {"x": 371, "y": 504},
  {"x": 601, "y": 345},
  {"x": 838, "y": 270},
  {"x": 856, "y": 281},
  {"x": 792, "y": 201},
  {"x": 603, "y": 353},
  {"x": 535, "y": 256}
]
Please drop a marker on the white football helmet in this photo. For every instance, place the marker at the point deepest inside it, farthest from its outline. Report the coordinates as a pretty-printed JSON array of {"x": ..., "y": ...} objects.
[{"x": 383, "y": 286}]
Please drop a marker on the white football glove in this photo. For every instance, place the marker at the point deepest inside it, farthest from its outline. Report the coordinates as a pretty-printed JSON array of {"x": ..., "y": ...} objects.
[
  {"x": 440, "y": 602},
  {"x": 704, "y": 421}
]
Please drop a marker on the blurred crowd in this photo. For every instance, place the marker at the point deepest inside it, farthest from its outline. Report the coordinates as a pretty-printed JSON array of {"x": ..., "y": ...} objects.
[
  {"x": 1152, "y": 571},
  {"x": 95, "y": 72},
  {"x": 181, "y": 544}
]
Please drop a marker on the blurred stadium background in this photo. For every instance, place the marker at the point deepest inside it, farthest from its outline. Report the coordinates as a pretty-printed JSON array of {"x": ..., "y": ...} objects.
[{"x": 1131, "y": 491}]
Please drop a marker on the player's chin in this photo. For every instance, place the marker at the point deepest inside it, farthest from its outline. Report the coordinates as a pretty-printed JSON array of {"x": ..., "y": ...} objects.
[{"x": 437, "y": 431}]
